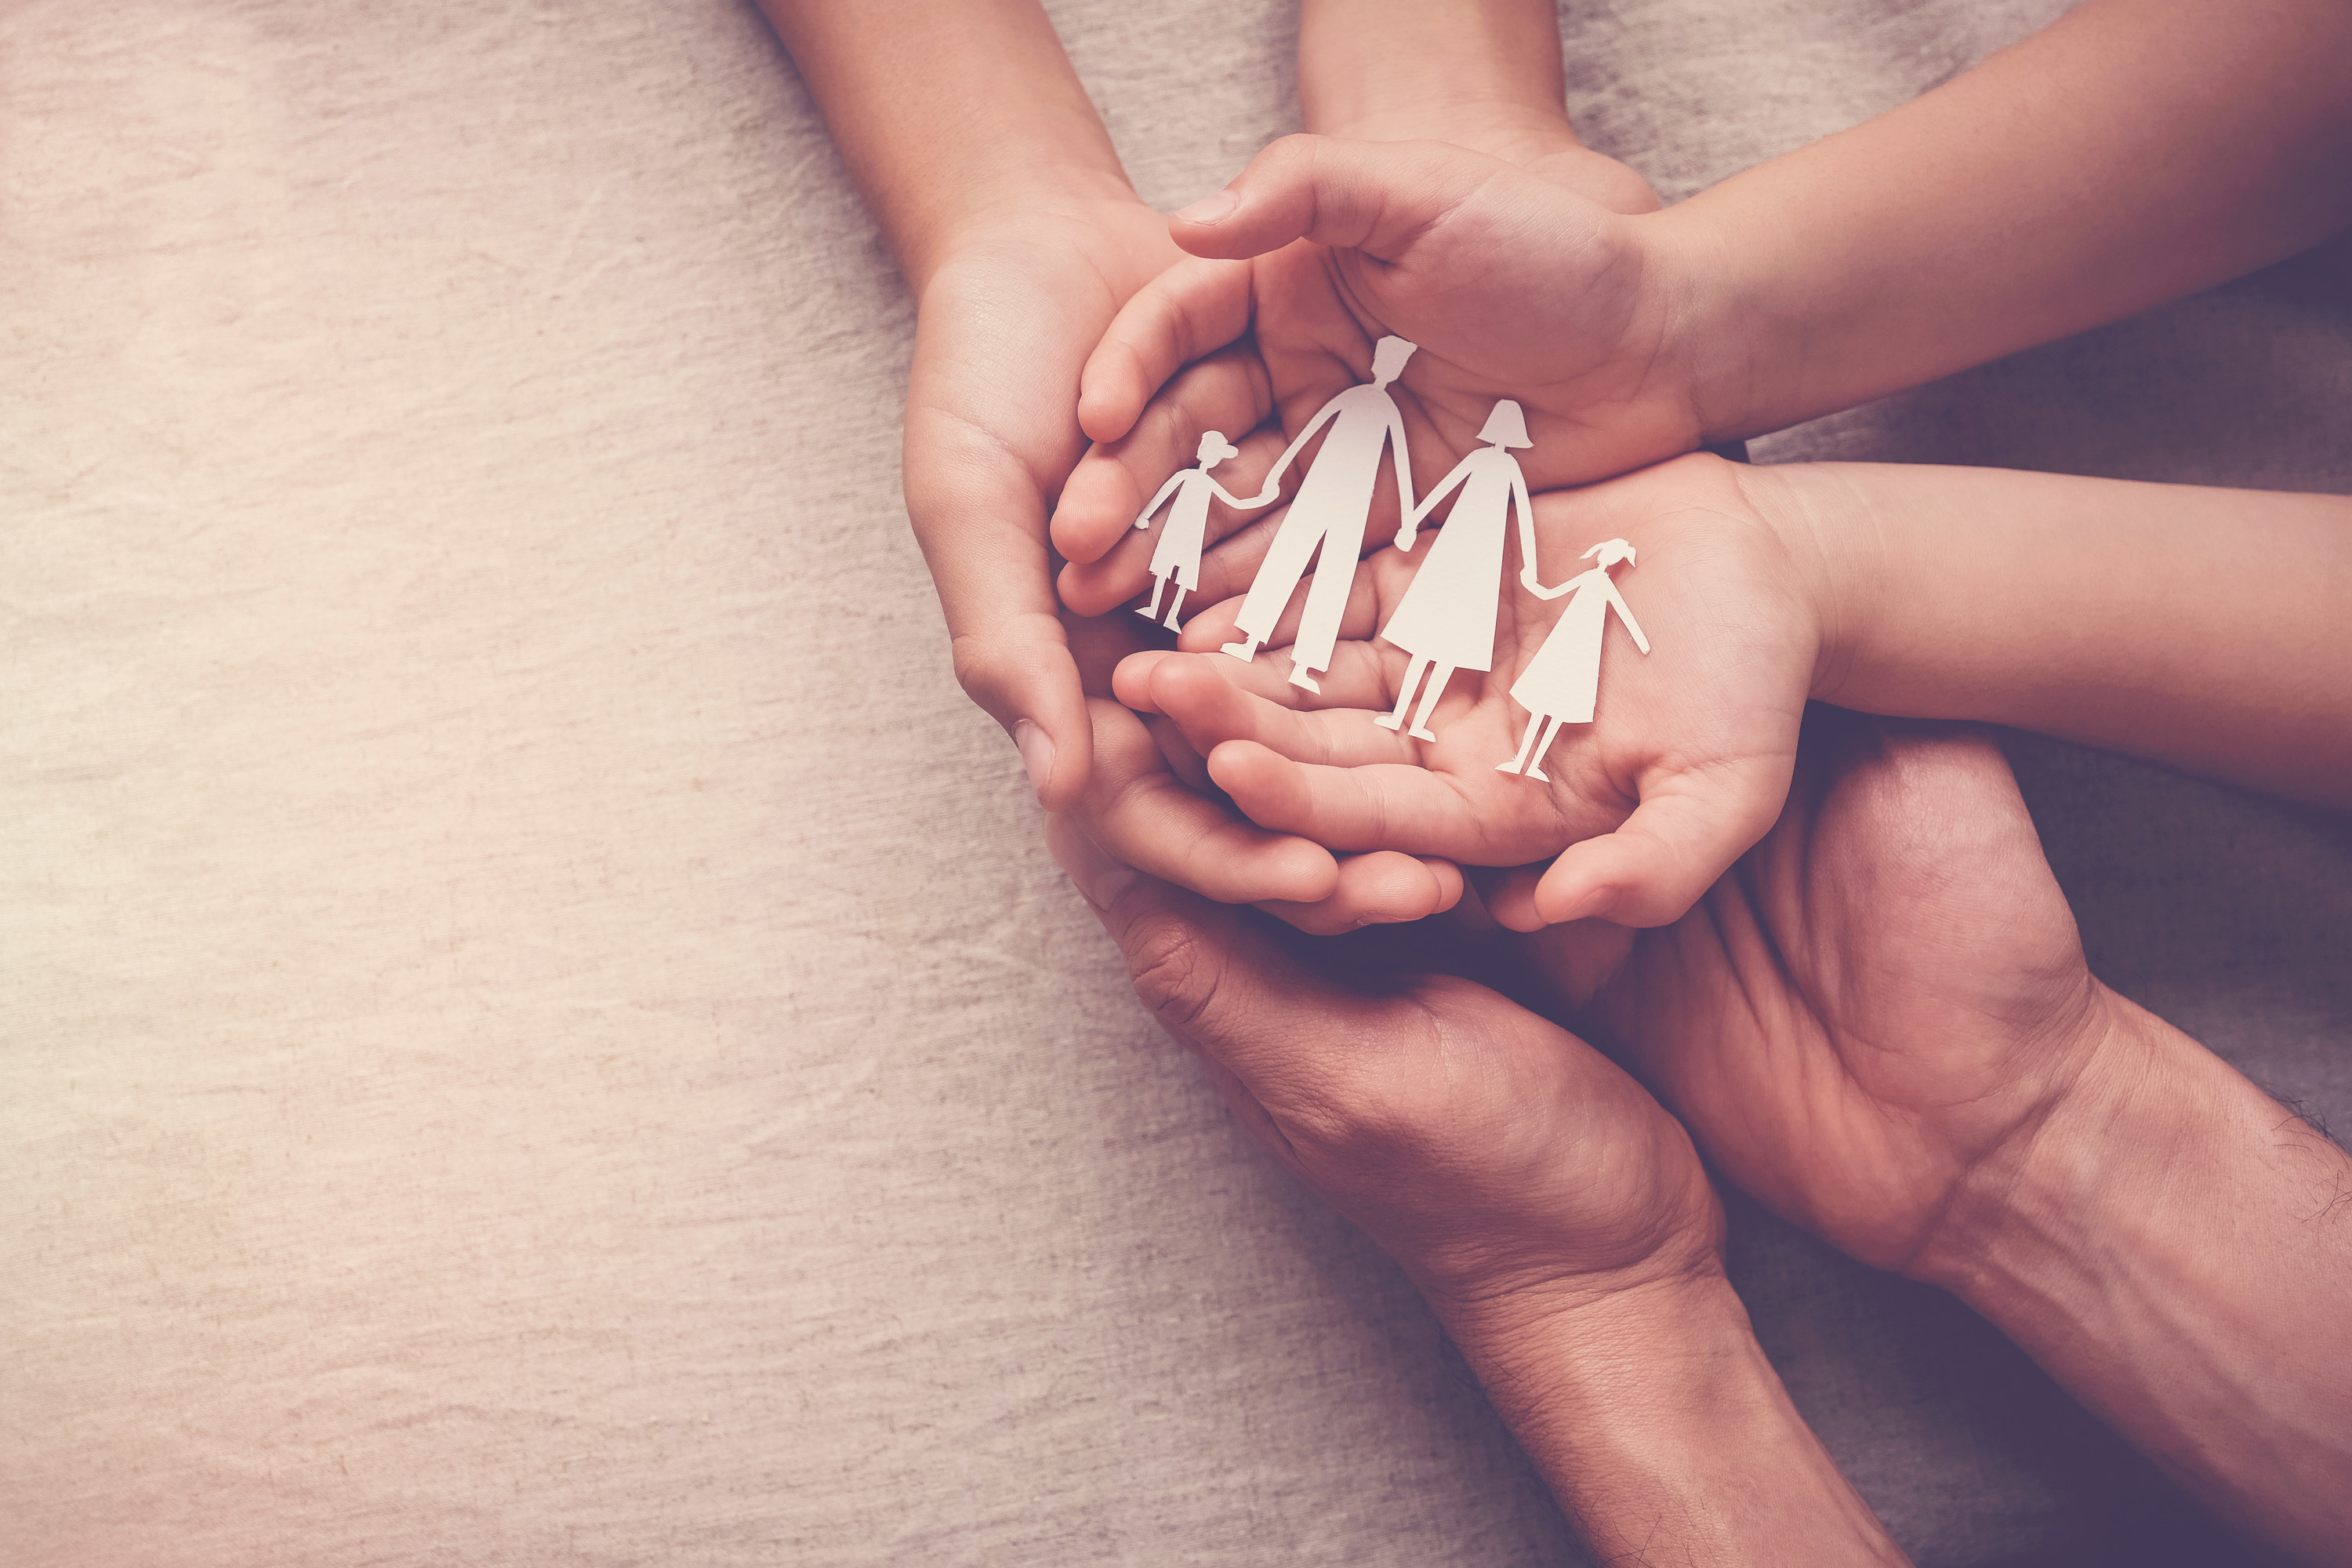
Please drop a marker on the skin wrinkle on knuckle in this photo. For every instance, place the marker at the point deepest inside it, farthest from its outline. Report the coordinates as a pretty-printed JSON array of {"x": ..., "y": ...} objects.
[{"x": 1175, "y": 974}]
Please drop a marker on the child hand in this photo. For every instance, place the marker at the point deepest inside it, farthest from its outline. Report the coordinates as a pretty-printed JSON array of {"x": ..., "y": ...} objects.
[
  {"x": 1685, "y": 765},
  {"x": 1511, "y": 285}
]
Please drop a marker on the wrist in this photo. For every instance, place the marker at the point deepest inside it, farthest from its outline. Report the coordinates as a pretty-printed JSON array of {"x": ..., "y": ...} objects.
[
  {"x": 1659, "y": 1423},
  {"x": 1826, "y": 529},
  {"x": 1014, "y": 204}
]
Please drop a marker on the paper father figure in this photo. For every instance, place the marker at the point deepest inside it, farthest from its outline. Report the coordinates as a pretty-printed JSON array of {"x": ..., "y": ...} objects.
[
  {"x": 1447, "y": 618},
  {"x": 1560, "y": 683},
  {"x": 1331, "y": 509}
]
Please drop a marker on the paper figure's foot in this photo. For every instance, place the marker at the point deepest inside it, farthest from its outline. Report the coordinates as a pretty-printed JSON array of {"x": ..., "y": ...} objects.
[
  {"x": 1388, "y": 721},
  {"x": 1418, "y": 734},
  {"x": 1302, "y": 680},
  {"x": 1170, "y": 621},
  {"x": 1537, "y": 774},
  {"x": 1510, "y": 767},
  {"x": 1245, "y": 650},
  {"x": 1149, "y": 612}
]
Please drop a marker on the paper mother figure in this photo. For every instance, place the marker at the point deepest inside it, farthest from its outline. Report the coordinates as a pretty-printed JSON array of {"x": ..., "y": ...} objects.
[
  {"x": 1560, "y": 683},
  {"x": 1447, "y": 619},
  {"x": 1331, "y": 508},
  {"x": 1177, "y": 554}
]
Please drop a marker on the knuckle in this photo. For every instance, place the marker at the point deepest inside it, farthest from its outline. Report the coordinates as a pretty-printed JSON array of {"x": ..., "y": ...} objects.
[{"x": 1175, "y": 974}]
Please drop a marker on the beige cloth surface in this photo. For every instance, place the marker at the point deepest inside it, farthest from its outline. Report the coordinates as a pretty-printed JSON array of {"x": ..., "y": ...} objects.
[{"x": 535, "y": 1025}]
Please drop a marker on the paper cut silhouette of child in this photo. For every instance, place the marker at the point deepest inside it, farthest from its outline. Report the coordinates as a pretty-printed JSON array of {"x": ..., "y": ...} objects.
[
  {"x": 1331, "y": 509},
  {"x": 1560, "y": 685},
  {"x": 1447, "y": 621},
  {"x": 1177, "y": 554}
]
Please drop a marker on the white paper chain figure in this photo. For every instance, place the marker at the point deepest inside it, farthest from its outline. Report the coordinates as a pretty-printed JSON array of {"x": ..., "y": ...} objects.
[
  {"x": 1447, "y": 619},
  {"x": 1331, "y": 509},
  {"x": 1177, "y": 554},
  {"x": 1560, "y": 683}
]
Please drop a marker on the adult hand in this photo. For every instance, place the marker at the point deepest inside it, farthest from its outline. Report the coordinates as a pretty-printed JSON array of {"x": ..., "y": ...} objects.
[
  {"x": 1554, "y": 1216},
  {"x": 1881, "y": 1024}
]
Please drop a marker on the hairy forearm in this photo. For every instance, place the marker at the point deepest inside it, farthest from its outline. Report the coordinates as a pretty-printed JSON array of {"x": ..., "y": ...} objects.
[
  {"x": 2203, "y": 628},
  {"x": 2175, "y": 1249},
  {"x": 945, "y": 113},
  {"x": 1665, "y": 1433},
  {"x": 2134, "y": 151}
]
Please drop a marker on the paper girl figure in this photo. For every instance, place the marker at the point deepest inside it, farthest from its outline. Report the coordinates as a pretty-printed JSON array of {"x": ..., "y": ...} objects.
[
  {"x": 1177, "y": 554},
  {"x": 1447, "y": 619},
  {"x": 1559, "y": 684},
  {"x": 1330, "y": 509}
]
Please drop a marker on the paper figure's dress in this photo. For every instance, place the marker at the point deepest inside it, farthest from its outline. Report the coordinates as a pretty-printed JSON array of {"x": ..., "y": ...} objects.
[
  {"x": 1177, "y": 554},
  {"x": 1333, "y": 505},
  {"x": 1448, "y": 613},
  {"x": 1563, "y": 680}
]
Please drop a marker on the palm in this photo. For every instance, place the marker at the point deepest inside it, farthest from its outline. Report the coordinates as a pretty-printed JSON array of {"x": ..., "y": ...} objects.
[
  {"x": 1702, "y": 729},
  {"x": 1883, "y": 989}
]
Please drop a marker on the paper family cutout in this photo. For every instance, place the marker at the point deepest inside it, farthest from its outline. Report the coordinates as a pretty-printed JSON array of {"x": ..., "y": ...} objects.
[{"x": 1446, "y": 620}]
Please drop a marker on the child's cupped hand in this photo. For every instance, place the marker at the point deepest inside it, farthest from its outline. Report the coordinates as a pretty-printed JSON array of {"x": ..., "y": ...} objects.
[
  {"x": 1512, "y": 285},
  {"x": 1686, "y": 762}
]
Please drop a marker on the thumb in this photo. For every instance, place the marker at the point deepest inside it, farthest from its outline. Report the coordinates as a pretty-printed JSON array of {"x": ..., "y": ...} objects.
[
  {"x": 1376, "y": 197},
  {"x": 1665, "y": 856}
]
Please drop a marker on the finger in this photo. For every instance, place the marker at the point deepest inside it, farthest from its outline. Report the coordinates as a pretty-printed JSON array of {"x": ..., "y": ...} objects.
[
  {"x": 1380, "y": 889},
  {"x": 1665, "y": 856},
  {"x": 1227, "y": 393},
  {"x": 981, "y": 520},
  {"x": 1378, "y": 806},
  {"x": 1137, "y": 811},
  {"x": 1376, "y": 197},
  {"x": 1186, "y": 313},
  {"x": 1509, "y": 893},
  {"x": 1213, "y": 706}
]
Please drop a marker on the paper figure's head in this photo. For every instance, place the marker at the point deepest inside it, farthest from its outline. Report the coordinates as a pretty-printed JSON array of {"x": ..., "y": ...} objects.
[
  {"x": 1388, "y": 358},
  {"x": 1215, "y": 450},
  {"x": 1609, "y": 553},
  {"x": 1506, "y": 427}
]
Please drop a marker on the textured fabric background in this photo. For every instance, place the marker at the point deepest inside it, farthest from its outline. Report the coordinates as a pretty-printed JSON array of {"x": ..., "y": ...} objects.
[{"x": 535, "y": 1024}]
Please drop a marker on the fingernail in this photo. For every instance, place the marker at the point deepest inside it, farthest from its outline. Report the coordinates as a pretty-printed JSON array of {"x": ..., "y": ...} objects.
[
  {"x": 1099, "y": 879},
  {"x": 1211, "y": 209},
  {"x": 1036, "y": 753}
]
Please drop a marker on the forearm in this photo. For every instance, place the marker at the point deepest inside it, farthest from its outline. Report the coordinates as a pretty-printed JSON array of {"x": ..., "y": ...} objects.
[
  {"x": 2175, "y": 1249},
  {"x": 945, "y": 113},
  {"x": 2202, "y": 628},
  {"x": 1666, "y": 1435},
  {"x": 2134, "y": 151},
  {"x": 1386, "y": 70}
]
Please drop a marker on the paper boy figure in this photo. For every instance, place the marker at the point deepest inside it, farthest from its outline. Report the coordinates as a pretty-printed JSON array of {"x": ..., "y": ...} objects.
[
  {"x": 1177, "y": 554},
  {"x": 1560, "y": 684},
  {"x": 1447, "y": 618},
  {"x": 1331, "y": 509}
]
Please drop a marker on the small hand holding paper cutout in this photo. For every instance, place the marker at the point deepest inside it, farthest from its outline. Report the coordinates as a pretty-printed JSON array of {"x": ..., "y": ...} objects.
[{"x": 1685, "y": 764}]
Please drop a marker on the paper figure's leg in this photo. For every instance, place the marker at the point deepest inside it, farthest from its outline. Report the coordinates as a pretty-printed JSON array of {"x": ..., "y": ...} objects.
[
  {"x": 1327, "y": 606},
  {"x": 1437, "y": 680},
  {"x": 1173, "y": 606},
  {"x": 1412, "y": 674},
  {"x": 1158, "y": 586},
  {"x": 1526, "y": 747},
  {"x": 1277, "y": 575},
  {"x": 1535, "y": 764}
]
